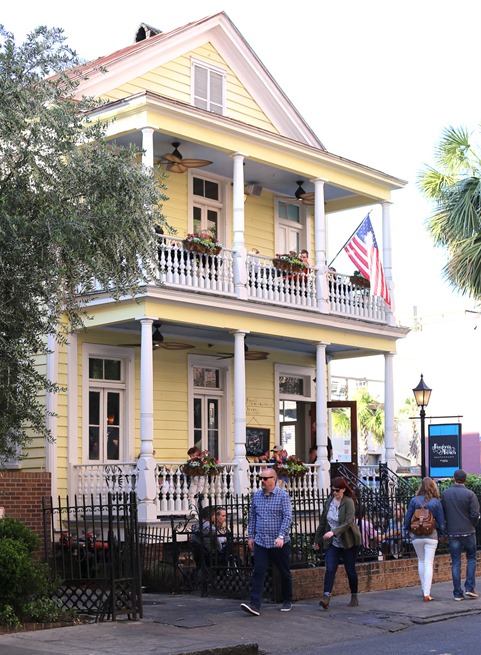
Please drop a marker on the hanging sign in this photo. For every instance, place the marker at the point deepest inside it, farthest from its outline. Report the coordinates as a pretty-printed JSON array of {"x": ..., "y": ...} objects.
[{"x": 444, "y": 449}]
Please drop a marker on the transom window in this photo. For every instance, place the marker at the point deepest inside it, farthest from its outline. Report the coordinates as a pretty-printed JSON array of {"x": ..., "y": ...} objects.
[
  {"x": 290, "y": 385},
  {"x": 208, "y": 88}
]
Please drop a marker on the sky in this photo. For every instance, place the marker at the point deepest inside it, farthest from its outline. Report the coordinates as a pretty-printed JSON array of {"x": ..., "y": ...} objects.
[{"x": 377, "y": 81}]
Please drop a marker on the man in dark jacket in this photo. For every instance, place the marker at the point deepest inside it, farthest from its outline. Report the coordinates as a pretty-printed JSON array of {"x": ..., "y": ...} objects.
[{"x": 461, "y": 509}]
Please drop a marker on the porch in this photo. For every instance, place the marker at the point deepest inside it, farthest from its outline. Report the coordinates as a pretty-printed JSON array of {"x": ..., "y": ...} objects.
[{"x": 256, "y": 278}]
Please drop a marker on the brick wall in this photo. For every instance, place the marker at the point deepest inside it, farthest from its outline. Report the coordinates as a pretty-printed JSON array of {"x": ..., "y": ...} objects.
[
  {"x": 373, "y": 576},
  {"x": 21, "y": 495}
]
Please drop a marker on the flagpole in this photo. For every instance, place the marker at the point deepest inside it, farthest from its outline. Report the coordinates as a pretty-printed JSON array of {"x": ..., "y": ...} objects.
[{"x": 346, "y": 242}]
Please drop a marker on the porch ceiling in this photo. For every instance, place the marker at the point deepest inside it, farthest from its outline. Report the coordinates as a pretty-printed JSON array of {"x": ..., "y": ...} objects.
[
  {"x": 216, "y": 338},
  {"x": 277, "y": 180}
]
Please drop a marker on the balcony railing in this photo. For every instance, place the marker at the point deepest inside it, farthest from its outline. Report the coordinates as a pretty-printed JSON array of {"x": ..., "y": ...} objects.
[{"x": 214, "y": 274}]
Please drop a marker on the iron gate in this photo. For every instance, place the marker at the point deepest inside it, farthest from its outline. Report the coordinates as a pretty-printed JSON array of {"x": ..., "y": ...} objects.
[{"x": 93, "y": 547}]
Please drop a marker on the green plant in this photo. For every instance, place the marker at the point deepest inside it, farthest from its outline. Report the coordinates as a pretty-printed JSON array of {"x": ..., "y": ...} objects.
[
  {"x": 203, "y": 239},
  {"x": 8, "y": 617},
  {"x": 202, "y": 464},
  {"x": 47, "y": 610},
  {"x": 15, "y": 529},
  {"x": 286, "y": 260},
  {"x": 292, "y": 467}
]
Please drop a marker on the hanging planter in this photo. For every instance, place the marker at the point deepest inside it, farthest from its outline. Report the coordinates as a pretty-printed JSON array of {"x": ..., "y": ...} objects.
[
  {"x": 289, "y": 263},
  {"x": 202, "y": 243}
]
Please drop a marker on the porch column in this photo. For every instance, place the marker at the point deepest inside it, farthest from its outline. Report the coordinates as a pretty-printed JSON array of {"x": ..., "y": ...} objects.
[
  {"x": 387, "y": 257},
  {"x": 241, "y": 479},
  {"x": 324, "y": 478},
  {"x": 239, "y": 250},
  {"x": 146, "y": 485},
  {"x": 148, "y": 147},
  {"x": 322, "y": 288},
  {"x": 389, "y": 411}
]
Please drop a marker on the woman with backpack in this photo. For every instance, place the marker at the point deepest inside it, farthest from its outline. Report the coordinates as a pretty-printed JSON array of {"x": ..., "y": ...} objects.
[{"x": 423, "y": 509}]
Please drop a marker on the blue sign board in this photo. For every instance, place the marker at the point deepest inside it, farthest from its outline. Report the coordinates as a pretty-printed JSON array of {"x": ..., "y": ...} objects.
[{"x": 444, "y": 449}]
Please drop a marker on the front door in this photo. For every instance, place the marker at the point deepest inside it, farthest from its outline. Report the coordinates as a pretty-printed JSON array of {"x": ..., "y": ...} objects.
[{"x": 343, "y": 430}]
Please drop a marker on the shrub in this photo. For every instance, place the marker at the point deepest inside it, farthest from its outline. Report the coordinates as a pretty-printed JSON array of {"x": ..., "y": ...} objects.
[
  {"x": 14, "y": 529},
  {"x": 26, "y": 589}
]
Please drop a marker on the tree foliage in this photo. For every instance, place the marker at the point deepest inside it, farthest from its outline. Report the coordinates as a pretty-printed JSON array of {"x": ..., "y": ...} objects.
[
  {"x": 454, "y": 186},
  {"x": 74, "y": 208}
]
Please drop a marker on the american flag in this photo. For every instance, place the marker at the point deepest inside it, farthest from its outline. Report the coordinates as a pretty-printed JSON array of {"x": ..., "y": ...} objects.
[{"x": 362, "y": 250}]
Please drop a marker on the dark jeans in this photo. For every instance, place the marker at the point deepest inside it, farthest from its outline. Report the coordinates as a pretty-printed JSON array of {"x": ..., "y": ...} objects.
[
  {"x": 332, "y": 558},
  {"x": 281, "y": 558},
  {"x": 456, "y": 547}
]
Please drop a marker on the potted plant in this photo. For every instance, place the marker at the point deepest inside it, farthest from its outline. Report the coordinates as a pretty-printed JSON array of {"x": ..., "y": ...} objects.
[
  {"x": 289, "y": 263},
  {"x": 202, "y": 242},
  {"x": 202, "y": 464},
  {"x": 359, "y": 280},
  {"x": 291, "y": 467}
]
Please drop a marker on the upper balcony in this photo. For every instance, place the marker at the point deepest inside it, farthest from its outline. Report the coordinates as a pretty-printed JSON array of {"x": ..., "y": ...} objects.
[{"x": 264, "y": 283}]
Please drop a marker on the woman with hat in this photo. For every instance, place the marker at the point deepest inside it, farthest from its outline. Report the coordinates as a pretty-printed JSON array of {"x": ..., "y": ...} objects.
[{"x": 340, "y": 536}]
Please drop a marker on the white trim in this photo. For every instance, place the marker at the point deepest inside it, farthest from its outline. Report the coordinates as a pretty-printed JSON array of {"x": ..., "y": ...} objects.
[
  {"x": 194, "y": 61},
  {"x": 218, "y": 205},
  {"x": 128, "y": 385},
  {"x": 225, "y": 421},
  {"x": 51, "y": 447},
  {"x": 72, "y": 411}
]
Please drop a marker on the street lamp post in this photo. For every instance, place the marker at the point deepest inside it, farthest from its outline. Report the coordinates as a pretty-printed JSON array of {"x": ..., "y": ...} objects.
[{"x": 422, "y": 393}]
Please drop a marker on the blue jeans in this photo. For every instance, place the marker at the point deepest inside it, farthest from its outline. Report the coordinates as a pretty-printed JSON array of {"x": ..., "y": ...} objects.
[
  {"x": 332, "y": 558},
  {"x": 456, "y": 545},
  {"x": 281, "y": 558}
]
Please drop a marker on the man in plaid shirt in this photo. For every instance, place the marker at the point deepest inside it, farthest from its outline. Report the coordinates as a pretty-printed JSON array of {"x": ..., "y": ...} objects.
[{"x": 270, "y": 519}]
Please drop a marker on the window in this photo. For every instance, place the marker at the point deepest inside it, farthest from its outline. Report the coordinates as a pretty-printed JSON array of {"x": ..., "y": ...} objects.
[
  {"x": 208, "y": 88},
  {"x": 207, "y": 207},
  {"x": 107, "y": 404},
  {"x": 291, "y": 230},
  {"x": 209, "y": 394}
]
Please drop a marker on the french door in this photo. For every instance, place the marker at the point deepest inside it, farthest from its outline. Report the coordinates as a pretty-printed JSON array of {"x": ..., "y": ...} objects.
[{"x": 105, "y": 425}]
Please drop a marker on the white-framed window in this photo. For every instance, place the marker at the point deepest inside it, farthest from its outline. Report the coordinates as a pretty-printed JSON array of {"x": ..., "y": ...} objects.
[
  {"x": 207, "y": 205},
  {"x": 208, "y": 87},
  {"x": 291, "y": 233},
  {"x": 209, "y": 405},
  {"x": 295, "y": 383},
  {"x": 107, "y": 404}
]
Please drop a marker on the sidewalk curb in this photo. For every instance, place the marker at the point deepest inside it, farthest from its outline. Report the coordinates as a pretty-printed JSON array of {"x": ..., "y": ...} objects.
[{"x": 241, "y": 649}]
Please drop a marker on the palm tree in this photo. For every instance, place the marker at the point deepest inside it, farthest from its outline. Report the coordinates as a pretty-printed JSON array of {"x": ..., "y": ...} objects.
[{"x": 455, "y": 189}]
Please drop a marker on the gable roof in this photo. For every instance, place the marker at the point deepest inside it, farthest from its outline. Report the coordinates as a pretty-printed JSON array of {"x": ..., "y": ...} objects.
[{"x": 139, "y": 58}]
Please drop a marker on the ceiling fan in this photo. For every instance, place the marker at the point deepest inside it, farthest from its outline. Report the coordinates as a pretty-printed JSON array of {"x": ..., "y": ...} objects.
[
  {"x": 158, "y": 341},
  {"x": 174, "y": 162},
  {"x": 249, "y": 355},
  {"x": 301, "y": 196}
]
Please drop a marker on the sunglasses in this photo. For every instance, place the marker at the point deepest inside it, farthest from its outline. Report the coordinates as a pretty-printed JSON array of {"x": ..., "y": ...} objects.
[
  {"x": 269, "y": 477},
  {"x": 334, "y": 489}
]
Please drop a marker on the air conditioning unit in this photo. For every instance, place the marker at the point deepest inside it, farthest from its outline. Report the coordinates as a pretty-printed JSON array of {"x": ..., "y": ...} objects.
[{"x": 253, "y": 189}]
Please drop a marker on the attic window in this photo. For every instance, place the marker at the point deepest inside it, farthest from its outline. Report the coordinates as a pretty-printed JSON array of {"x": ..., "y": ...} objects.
[{"x": 208, "y": 88}]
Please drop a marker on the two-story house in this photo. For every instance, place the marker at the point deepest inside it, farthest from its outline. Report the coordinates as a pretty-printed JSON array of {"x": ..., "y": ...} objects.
[{"x": 225, "y": 350}]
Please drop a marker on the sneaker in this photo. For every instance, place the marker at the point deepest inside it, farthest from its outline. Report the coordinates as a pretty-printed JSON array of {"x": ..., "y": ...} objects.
[
  {"x": 286, "y": 607},
  {"x": 250, "y": 609},
  {"x": 459, "y": 598},
  {"x": 471, "y": 594}
]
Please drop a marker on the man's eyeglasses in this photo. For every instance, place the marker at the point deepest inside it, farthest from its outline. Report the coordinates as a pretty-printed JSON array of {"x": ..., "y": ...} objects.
[
  {"x": 334, "y": 489},
  {"x": 268, "y": 477}
]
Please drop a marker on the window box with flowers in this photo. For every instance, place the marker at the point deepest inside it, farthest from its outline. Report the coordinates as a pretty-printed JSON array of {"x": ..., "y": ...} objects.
[
  {"x": 202, "y": 464},
  {"x": 289, "y": 263},
  {"x": 292, "y": 467},
  {"x": 203, "y": 243}
]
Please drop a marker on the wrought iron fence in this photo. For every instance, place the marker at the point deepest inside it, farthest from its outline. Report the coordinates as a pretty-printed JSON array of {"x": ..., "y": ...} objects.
[{"x": 93, "y": 547}]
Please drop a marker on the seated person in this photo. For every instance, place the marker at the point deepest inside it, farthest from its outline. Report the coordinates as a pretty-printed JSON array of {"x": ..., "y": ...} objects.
[
  {"x": 394, "y": 536},
  {"x": 209, "y": 539}
]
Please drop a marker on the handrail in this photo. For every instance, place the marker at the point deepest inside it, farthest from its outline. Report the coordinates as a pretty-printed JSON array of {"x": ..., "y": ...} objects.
[{"x": 387, "y": 476}]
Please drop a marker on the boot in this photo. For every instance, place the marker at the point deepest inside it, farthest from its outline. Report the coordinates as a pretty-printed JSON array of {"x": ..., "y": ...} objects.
[
  {"x": 325, "y": 600},
  {"x": 354, "y": 601}
]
